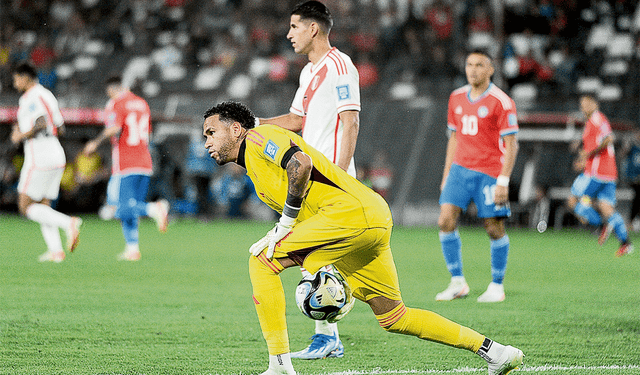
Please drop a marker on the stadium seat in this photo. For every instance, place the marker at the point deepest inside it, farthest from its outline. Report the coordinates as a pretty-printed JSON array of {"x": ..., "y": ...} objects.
[
  {"x": 588, "y": 85},
  {"x": 599, "y": 37},
  {"x": 481, "y": 41},
  {"x": 615, "y": 68},
  {"x": 209, "y": 78},
  {"x": 610, "y": 93},
  {"x": 620, "y": 45},
  {"x": 524, "y": 94}
]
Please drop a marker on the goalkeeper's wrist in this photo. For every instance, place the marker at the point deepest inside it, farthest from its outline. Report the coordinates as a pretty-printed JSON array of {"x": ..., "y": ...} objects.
[
  {"x": 286, "y": 220},
  {"x": 290, "y": 211}
]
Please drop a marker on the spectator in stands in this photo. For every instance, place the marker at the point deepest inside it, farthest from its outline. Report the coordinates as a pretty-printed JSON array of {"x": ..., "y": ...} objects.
[
  {"x": 10, "y": 165},
  {"x": 480, "y": 20},
  {"x": 48, "y": 75},
  {"x": 73, "y": 36},
  {"x": 42, "y": 54},
  {"x": 233, "y": 189},
  {"x": 381, "y": 174},
  {"x": 631, "y": 155},
  {"x": 199, "y": 172},
  {"x": 439, "y": 16}
]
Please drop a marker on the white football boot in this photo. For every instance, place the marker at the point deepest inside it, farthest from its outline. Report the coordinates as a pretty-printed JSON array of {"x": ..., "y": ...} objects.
[
  {"x": 52, "y": 256},
  {"x": 73, "y": 233},
  {"x": 509, "y": 360},
  {"x": 494, "y": 293},
  {"x": 322, "y": 346},
  {"x": 458, "y": 288}
]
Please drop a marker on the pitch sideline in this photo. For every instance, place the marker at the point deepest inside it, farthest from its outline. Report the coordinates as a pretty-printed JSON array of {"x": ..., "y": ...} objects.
[{"x": 469, "y": 370}]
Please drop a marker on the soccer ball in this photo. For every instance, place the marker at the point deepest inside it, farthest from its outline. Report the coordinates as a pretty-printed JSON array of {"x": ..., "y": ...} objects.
[{"x": 324, "y": 296}]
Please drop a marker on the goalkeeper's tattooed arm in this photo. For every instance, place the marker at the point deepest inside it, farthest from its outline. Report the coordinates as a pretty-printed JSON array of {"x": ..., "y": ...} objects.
[{"x": 299, "y": 172}]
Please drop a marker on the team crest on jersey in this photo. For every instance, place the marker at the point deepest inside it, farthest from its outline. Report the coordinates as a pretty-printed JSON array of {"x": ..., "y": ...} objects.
[
  {"x": 343, "y": 92},
  {"x": 458, "y": 110},
  {"x": 271, "y": 149},
  {"x": 513, "y": 119},
  {"x": 32, "y": 107},
  {"x": 483, "y": 112},
  {"x": 314, "y": 82}
]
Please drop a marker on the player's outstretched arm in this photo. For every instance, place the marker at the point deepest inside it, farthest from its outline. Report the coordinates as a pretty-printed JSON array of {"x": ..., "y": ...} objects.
[
  {"x": 290, "y": 121},
  {"x": 298, "y": 172},
  {"x": 107, "y": 133}
]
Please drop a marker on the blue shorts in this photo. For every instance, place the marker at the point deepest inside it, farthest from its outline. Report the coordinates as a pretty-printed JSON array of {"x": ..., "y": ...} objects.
[
  {"x": 127, "y": 191},
  {"x": 604, "y": 191},
  {"x": 579, "y": 185},
  {"x": 464, "y": 185}
]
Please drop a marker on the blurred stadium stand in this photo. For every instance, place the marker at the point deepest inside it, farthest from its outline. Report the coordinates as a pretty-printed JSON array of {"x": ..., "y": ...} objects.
[{"x": 185, "y": 55}]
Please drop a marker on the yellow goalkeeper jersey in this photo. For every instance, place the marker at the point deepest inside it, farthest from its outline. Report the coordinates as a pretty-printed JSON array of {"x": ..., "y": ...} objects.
[{"x": 331, "y": 191}]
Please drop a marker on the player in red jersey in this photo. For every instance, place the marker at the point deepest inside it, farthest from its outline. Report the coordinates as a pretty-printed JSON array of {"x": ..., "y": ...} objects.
[
  {"x": 128, "y": 126},
  {"x": 598, "y": 156},
  {"x": 480, "y": 157}
]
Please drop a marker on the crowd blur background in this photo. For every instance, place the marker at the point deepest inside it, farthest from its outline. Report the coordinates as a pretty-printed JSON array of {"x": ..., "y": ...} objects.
[{"x": 185, "y": 55}]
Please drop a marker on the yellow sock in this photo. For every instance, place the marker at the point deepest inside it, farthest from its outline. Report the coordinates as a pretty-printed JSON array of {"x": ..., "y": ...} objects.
[
  {"x": 430, "y": 326},
  {"x": 268, "y": 297}
]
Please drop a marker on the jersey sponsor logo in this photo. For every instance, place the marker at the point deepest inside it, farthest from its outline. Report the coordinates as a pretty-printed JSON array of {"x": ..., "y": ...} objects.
[
  {"x": 483, "y": 111},
  {"x": 458, "y": 110},
  {"x": 271, "y": 149},
  {"x": 343, "y": 92},
  {"x": 513, "y": 119}
]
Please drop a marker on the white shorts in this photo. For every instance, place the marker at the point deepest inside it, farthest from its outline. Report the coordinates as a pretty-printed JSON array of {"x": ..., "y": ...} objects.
[{"x": 40, "y": 184}]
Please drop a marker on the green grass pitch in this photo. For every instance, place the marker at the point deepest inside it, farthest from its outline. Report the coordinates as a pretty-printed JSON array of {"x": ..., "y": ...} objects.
[{"x": 186, "y": 307}]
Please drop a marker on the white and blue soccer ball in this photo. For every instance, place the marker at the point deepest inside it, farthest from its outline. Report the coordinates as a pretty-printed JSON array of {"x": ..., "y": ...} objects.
[{"x": 324, "y": 296}]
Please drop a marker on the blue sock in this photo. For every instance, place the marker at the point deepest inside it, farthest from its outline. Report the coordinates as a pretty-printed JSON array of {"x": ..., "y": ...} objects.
[
  {"x": 130, "y": 230},
  {"x": 452, "y": 251},
  {"x": 588, "y": 213},
  {"x": 619, "y": 228},
  {"x": 499, "y": 254}
]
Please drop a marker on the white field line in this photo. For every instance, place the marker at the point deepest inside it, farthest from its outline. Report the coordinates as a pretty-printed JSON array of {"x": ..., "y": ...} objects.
[{"x": 469, "y": 370}]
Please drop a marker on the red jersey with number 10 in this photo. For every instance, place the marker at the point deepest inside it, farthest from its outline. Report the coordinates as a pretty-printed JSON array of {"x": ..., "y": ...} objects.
[
  {"x": 480, "y": 125},
  {"x": 130, "y": 151},
  {"x": 603, "y": 164}
]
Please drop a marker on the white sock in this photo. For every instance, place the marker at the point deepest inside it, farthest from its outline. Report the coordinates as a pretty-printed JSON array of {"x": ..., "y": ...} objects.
[
  {"x": 132, "y": 247},
  {"x": 43, "y": 214},
  {"x": 305, "y": 273},
  {"x": 490, "y": 350},
  {"x": 51, "y": 235},
  {"x": 152, "y": 210},
  {"x": 281, "y": 363},
  {"x": 326, "y": 328}
]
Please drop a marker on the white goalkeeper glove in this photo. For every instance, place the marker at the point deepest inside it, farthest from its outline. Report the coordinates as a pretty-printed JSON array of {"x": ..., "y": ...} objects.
[{"x": 282, "y": 228}]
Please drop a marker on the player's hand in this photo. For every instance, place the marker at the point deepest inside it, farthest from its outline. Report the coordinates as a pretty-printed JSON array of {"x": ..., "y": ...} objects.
[
  {"x": 280, "y": 231},
  {"x": 16, "y": 134},
  {"x": 501, "y": 195},
  {"x": 90, "y": 147}
]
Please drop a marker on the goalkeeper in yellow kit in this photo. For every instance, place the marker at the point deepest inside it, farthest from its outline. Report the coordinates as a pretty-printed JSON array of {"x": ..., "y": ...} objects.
[{"x": 328, "y": 217}]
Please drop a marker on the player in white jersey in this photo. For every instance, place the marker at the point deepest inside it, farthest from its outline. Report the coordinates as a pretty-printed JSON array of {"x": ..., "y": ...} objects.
[
  {"x": 39, "y": 121},
  {"x": 325, "y": 111}
]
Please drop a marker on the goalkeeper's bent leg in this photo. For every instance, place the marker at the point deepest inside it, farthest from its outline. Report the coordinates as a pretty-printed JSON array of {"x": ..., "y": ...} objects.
[
  {"x": 268, "y": 297},
  {"x": 430, "y": 326}
]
